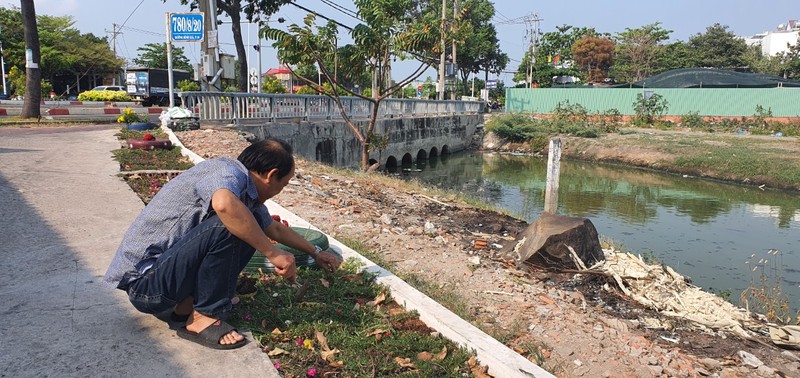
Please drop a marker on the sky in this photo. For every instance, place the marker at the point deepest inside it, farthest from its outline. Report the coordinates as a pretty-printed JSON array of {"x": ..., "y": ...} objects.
[{"x": 143, "y": 21}]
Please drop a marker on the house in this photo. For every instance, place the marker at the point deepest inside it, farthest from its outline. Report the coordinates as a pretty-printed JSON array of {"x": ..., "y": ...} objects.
[{"x": 775, "y": 42}]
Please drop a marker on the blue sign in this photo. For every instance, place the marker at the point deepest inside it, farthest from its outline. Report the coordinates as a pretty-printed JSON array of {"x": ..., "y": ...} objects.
[
  {"x": 419, "y": 92},
  {"x": 491, "y": 84},
  {"x": 186, "y": 27}
]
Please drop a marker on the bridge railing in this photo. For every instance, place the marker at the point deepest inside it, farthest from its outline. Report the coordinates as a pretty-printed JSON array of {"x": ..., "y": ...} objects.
[{"x": 236, "y": 107}]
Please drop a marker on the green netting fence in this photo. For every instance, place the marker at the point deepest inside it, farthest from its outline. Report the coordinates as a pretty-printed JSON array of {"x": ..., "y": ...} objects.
[{"x": 729, "y": 102}]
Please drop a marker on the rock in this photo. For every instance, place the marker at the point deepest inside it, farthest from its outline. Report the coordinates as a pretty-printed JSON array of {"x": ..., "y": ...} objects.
[
  {"x": 791, "y": 356},
  {"x": 711, "y": 363},
  {"x": 657, "y": 370},
  {"x": 429, "y": 228},
  {"x": 749, "y": 359},
  {"x": 475, "y": 260},
  {"x": 386, "y": 219},
  {"x": 765, "y": 371},
  {"x": 546, "y": 243}
]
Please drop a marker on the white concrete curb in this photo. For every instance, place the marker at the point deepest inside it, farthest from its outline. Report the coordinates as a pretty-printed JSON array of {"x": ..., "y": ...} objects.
[{"x": 501, "y": 360}]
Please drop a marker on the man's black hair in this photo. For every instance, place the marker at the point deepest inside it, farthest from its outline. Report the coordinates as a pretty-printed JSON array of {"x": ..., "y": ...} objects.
[{"x": 267, "y": 154}]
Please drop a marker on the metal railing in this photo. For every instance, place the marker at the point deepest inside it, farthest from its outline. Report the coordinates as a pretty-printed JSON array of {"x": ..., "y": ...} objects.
[{"x": 236, "y": 107}]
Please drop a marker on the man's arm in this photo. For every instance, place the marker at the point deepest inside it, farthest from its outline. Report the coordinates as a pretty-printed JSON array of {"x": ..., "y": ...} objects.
[
  {"x": 240, "y": 222},
  {"x": 286, "y": 236}
]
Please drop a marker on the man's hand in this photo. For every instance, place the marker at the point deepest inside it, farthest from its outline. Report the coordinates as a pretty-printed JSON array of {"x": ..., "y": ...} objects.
[
  {"x": 284, "y": 265},
  {"x": 327, "y": 261}
]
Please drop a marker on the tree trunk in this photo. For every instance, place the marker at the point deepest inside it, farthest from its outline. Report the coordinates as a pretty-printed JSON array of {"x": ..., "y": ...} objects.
[
  {"x": 33, "y": 74},
  {"x": 234, "y": 11}
]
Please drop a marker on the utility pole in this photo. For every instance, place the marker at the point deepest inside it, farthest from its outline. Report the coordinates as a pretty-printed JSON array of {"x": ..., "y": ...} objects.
[
  {"x": 441, "y": 58},
  {"x": 3, "y": 66},
  {"x": 114, "y": 33},
  {"x": 455, "y": 77},
  {"x": 533, "y": 21},
  {"x": 209, "y": 66}
]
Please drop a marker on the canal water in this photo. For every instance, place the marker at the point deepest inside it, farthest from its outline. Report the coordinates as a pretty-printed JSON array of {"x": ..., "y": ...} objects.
[{"x": 725, "y": 237}]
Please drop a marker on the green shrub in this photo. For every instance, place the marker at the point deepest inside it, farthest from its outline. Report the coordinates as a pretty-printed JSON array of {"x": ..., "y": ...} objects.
[
  {"x": 609, "y": 121},
  {"x": 103, "y": 96},
  {"x": 188, "y": 86},
  {"x": 513, "y": 127},
  {"x": 565, "y": 111},
  {"x": 647, "y": 110},
  {"x": 692, "y": 120}
]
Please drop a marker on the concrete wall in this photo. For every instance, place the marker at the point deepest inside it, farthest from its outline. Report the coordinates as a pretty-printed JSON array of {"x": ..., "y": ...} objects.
[{"x": 332, "y": 142}]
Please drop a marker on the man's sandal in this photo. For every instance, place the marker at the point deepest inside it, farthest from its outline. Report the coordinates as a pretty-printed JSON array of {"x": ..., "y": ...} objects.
[{"x": 211, "y": 335}]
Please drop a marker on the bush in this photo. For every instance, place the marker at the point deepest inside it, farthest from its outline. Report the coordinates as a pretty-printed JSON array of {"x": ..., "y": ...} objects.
[
  {"x": 103, "y": 96},
  {"x": 692, "y": 120},
  {"x": 647, "y": 110},
  {"x": 513, "y": 127}
]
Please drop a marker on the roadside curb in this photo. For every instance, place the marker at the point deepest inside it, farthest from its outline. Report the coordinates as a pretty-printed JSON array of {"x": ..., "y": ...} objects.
[
  {"x": 65, "y": 111},
  {"x": 501, "y": 360}
]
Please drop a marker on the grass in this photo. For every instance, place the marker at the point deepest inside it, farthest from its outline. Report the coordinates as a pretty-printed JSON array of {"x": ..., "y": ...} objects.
[
  {"x": 343, "y": 324},
  {"x": 339, "y": 324},
  {"x": 764, "y": 294}
]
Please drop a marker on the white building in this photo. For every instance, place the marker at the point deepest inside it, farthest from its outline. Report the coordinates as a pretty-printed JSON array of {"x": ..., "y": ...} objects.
[{"x": 775, "y": 42}]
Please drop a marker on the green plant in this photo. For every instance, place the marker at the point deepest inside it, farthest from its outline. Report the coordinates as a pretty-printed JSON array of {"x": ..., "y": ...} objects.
[
  {"x": 514, "y": 127},
  {"x": 104, "y": 96},
  {"x": 565, "y": 111},
  {"x": 648, "y": 107},
  {"x": 725, "y": 294},
  {"x": 129, "y": 116},
  {"x": 692, "y": 120},
  {"x": 188, "y": 86},
  {"x": 272, "y": 85},
  {"x": 342, "y": 324}
]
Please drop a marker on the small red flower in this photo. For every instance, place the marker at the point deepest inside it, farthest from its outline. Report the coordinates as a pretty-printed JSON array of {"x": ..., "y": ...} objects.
[
  {"x": 149, "y": 136},
  {"x": 277, "y": 365},
  {"x": 312, "y": 372}
]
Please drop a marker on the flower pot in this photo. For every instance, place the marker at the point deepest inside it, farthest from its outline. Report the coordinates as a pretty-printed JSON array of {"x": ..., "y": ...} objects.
[{"x": 139, "y": 126}]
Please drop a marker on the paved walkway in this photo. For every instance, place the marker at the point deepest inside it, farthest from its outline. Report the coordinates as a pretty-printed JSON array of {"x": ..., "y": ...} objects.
[{"x": 64, "y": 211}]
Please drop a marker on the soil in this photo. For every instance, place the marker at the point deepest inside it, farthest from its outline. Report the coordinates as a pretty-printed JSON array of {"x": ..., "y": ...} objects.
[{"x": 571, "y": 325}]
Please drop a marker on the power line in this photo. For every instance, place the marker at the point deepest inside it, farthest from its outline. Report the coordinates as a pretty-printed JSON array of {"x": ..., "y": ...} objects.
[
  {"x": 318, "y": 14},
  {"x": 342, "y": 9}
]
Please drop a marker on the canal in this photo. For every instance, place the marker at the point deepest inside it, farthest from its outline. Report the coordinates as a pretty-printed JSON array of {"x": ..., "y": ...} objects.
[{"x": 724, "y": 237}]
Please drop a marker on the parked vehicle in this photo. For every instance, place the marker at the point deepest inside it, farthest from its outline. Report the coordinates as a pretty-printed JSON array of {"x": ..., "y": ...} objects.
[
  {"x": 150, "y": 86},
  {"x": 109, "y": 88}
]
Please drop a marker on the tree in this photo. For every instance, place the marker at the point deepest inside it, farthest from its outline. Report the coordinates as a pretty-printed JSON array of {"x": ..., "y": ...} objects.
[
  {"x": 388, "y": 32},
  {"x": 638, "y": 51},
  {"x": 592, "y": 56},
  {"x": 718, "y": 48},
  {"x": 674, "y": 56},
  {"x": 272, "y": 85},
  {"x": 33, "y": 75},
  {"x": 790, "y": 61},
  {"x": 254, "y": 11},
  {"x": 556, "y": 45},
  {"x": 154, "y": 55},
  {"x": 756, "y": 61}
]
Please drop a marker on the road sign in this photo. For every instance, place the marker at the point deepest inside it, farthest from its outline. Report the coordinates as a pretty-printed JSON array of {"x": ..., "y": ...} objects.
[
  {"x": 419, "y": 88},
  {"x": 186, "y": 27},
  {"x": 491, "y": 84},
  {"x": 419, "y": 92}
]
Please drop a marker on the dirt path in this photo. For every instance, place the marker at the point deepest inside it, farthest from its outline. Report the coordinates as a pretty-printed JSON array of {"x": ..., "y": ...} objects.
[{"x": 571, "y": 326}]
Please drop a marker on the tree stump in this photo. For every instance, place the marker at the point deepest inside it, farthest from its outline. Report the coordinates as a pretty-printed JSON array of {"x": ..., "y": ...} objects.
[{"x": 547, "y": 242}]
